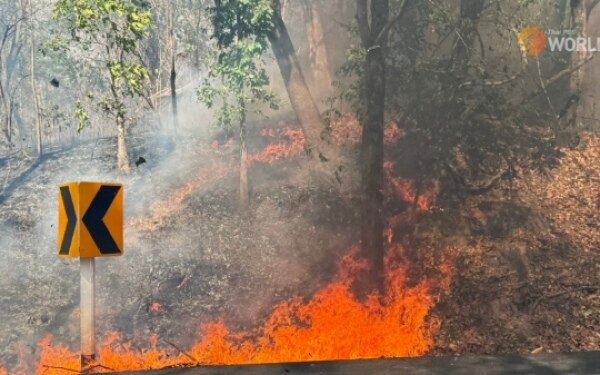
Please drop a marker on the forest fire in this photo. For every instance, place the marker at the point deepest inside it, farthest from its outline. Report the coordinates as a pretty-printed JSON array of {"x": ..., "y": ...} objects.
[
  {"x": 247, "y": 172},
  {"x": 164, "y": 209},
  {"x": 346, "y": 130},
  {"x": 332, "y": 325},
  {"x": 280, "y": 151},
  {"x": 161, "y": 210}
]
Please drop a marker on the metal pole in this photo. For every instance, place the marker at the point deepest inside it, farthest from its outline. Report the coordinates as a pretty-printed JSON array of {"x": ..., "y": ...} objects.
[{"x": 88, "y": 311}]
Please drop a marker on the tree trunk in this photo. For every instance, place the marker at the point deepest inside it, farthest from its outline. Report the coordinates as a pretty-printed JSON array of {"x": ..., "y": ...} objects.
[
  {"x": 318, "y": 52},
  {"x": 579, "y": 15},
  {"x": 3, "y": 106},
  {"x": 300, "y": 97},
  {"x": 244, "y": 191},
  {"x": 122, "y": 157},
  {"x": 174, "y": 112},
  {"x": 36, "y": 100},
  {"x": 372, "y": 225},
  {"x": 9, "y": 119},
  {"x": 173, "y": 78}
]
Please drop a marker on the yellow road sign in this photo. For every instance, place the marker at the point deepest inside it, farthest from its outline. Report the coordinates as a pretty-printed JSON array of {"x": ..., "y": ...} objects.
[{"x": 90, "y": 219}]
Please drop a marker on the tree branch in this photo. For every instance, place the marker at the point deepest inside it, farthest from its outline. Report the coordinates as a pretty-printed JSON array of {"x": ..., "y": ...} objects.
[
  {"x": 391, "y": 23},
  {"x": 563, "y": 73}
]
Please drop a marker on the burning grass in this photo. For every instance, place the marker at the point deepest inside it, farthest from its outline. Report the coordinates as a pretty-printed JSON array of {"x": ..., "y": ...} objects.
[
  {"x": 278, "y": 151},
  {"x": 332, "y": 325},
  {"x": 161, "y": 210},
  {"x": 347, "y": 131}
]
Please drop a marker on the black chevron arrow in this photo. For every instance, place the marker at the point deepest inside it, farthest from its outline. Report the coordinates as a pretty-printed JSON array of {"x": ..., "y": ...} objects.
[
  {"x": 93, "y": 219},
  {"x": 71, "y": 220}
]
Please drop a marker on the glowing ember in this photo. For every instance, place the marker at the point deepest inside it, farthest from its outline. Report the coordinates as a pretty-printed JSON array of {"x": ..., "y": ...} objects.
[
  {"x": 333, "y": 325},
  {"x": 155, "y": 307}
]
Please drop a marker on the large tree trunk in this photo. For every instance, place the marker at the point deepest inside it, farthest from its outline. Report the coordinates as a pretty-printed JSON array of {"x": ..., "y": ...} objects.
[
  {"x": 372, "y": 141},
  {"x": 300, "y": 97},
  {"x": 122, "y": 157}
]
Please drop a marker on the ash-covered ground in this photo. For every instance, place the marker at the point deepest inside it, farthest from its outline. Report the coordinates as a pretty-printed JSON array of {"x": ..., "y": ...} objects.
[
  {"x": 525, "y": 255},
  {"x": 207, "y": 261}
]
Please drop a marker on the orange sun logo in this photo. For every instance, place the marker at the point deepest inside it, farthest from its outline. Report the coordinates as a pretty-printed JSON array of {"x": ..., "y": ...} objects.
[{"x": 532, "y": 40}]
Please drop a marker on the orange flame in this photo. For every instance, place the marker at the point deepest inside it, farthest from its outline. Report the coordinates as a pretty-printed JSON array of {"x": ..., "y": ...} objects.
[
  {"x": 332, "y": 325},
  {"x": 347, "y": 131},
  {"x": 161, "y": 210},
  {"x": 405, "y": 189},
  {"x": 274, "y": 152},
  {"x": 155, "y": 307}
]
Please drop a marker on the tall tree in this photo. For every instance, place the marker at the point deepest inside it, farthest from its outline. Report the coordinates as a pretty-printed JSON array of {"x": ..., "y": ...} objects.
[
  {"x": 301, "y": 99},
  {"x": 110, "y": 31},
  {"x": 11, "y": 44},
  {"x": 374, "y": 25},
  {"x": 243, "y": 81},
  {"x": 34, "y": 89}
]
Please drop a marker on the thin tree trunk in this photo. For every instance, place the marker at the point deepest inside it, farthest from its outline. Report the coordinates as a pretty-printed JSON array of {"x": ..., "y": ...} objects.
[
  {"x": 244, "y": 191},
  {"x": 300, "y": 97},
  {"x": 173, "y": 77},
  {"x": 372, "y": 226},
  {"x": 122, "y": 157},
  {"x": 174, "y": 112},
  {"x": 579, "y": 14},
  {"x": 34, "y": 92},
  {"x": 9, "y": 119},
  {"x": 4, "y": 105}
]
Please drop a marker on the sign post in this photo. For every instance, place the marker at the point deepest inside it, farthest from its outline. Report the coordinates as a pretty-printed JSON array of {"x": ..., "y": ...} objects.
[
  {"x": 90, "y": 225},
  {"x": 87, "y": 269}
]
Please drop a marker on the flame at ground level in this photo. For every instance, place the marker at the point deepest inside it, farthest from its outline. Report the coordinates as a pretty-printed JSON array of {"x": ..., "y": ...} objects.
[{"x": 332, "y": 325}]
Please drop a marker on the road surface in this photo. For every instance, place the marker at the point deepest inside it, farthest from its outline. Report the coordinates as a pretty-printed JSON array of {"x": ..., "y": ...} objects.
[{"x": 542, "y": 364}]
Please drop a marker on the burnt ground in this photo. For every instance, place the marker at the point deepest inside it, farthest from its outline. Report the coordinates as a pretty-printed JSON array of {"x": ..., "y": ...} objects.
[
  {"x": 204, "y": 263},
  {"x": 528, "y": 263},
  {"x": 526, "y": 255}
]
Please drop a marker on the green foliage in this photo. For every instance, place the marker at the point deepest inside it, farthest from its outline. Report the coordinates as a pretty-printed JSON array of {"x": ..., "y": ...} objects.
[
  {"x": 110, "y": 31},
  {"x": 81, "y": 115},
  {"x": 241, "y": 19},
  {"x": 237, "y": 77},
  {"x": 132, "y": 75}
]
